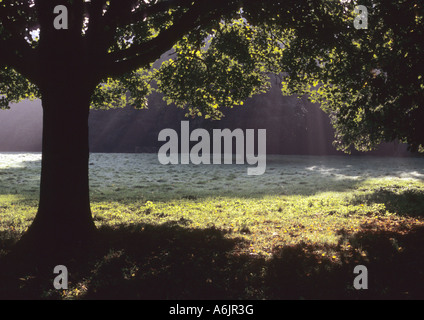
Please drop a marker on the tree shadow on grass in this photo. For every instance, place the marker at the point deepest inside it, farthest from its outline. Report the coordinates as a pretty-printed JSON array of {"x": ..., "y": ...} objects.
[
  {"x": 171, "y": 261},
  {"x": 140, "y": 261},
  {"x": 394, "y": 262},
  {"x": 403, "y": 201}
]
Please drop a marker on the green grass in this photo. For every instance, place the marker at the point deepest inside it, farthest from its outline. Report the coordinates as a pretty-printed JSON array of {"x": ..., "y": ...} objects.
[{"x": 213, "y": 232}]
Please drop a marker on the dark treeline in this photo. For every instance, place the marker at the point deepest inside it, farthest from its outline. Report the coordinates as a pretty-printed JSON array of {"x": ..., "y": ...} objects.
[{"x": 294, "y": 126}]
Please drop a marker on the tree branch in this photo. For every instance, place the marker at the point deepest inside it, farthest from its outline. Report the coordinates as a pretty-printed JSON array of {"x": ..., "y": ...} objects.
[
  {"x": 24, "y": 64},
  {"x": 15, "y": 50},
  {"x": 140, "y": 55},
  {"x": 156, "y": 8}
]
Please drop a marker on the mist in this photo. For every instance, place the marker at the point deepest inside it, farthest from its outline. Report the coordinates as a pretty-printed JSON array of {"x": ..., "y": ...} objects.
[
  {"x": 294, "y": 126},
  {"x": 21, "y": 127}
]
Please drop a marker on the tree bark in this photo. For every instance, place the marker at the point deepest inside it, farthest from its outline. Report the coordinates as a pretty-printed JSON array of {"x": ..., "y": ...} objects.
[{"x": 64, "y": 215}]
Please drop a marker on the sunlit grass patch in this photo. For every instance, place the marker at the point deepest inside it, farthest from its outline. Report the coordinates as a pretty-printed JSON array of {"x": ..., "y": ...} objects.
[
  {"x": 265, "y": 223},
  {"x": 16, "y": 213}
]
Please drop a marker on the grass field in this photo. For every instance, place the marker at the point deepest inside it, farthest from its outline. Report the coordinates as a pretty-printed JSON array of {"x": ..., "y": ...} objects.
[{"x": 213, "y": 232}]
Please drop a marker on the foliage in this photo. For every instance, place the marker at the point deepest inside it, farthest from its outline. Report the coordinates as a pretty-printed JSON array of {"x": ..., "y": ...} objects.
[
  {"x": 129, "y": 90},
  {"x": 369, "y": 81},
  {"x": 221, "y": 68},
  {"x": 14, "y": 88}
]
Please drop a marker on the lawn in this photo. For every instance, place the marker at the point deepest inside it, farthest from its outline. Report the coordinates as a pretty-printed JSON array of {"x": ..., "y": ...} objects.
[{"x": 213, "y": 232}]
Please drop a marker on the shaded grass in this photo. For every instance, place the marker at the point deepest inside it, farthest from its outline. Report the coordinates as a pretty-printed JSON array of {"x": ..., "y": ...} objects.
[{"x": 298, "y": 239}]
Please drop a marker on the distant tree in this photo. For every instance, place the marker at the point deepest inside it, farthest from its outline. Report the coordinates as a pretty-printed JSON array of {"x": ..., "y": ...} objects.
[{"x": 99, "y": 54}]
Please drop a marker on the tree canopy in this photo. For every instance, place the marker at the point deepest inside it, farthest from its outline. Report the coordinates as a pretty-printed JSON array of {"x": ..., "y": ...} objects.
[{"x": 370, "y": 81}]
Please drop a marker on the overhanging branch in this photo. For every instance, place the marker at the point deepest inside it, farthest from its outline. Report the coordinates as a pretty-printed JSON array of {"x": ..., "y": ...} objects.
[
  {"x": 198, "y": 15},
  {"x": 156, "y": 8}
]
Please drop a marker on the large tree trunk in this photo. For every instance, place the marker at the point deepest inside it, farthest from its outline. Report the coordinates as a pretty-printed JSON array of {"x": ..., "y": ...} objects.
[{"x": 64, "y": 215}]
